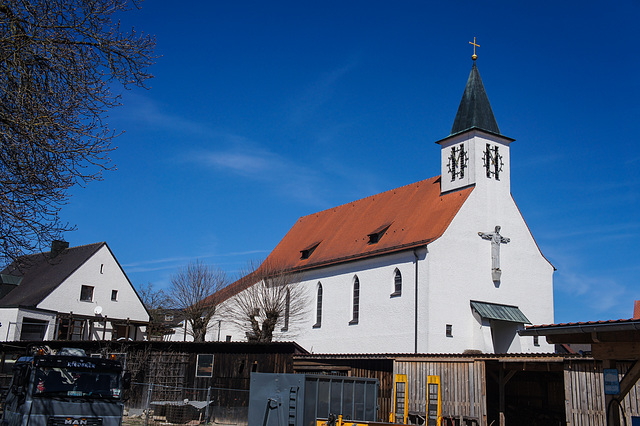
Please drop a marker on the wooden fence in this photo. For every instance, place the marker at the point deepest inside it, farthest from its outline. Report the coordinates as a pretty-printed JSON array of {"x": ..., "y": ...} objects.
[
  {"x": 585, "y": 398},
  {"x": 462, "y": 384}
]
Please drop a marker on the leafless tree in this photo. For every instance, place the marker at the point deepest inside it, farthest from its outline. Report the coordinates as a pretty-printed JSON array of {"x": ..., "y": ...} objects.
[
  {"x": 273, "y": 301},
  {"x": 193, "y": 291},
  {"x": 158, "y": 305},
  {"x": 59, "y": 61}
]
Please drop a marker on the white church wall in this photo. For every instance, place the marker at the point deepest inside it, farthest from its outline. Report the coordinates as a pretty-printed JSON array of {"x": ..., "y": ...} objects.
[
  {"x": 461, "y": 261},
  {"x": 385, "y": 323}
]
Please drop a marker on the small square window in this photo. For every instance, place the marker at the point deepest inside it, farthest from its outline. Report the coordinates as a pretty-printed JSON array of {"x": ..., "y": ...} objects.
[
  {"x": 204, "y": 366},
  {"x": 86, "y": 293},
  {"x": 114, "y": 295},
  {"x": 449, "y": 330},
  {"x": 168, "y": 318},
  {"x": 536, "y": 341}
]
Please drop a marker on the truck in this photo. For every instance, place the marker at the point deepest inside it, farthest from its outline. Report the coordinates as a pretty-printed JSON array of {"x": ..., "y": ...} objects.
[{"x": 65, "y": 389}]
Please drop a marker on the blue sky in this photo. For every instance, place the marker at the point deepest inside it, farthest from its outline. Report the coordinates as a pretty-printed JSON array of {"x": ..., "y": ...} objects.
[{"x": 262, "y": 112}]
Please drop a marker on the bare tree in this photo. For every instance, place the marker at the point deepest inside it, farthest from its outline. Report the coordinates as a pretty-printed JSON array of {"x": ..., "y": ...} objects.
[
  {"x": 194, "y": 291},
  {"x": 273, "y": 300},
  {"x": 59, "y": 61},
  {"x": 158, "y": 305}
]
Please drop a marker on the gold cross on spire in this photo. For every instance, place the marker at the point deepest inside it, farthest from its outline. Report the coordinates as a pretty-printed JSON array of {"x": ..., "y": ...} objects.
[{"x": 474, "y": 57}]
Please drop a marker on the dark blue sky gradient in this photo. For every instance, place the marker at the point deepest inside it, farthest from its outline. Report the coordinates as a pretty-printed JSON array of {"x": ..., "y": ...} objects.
[{"x": 261, "y": 112}]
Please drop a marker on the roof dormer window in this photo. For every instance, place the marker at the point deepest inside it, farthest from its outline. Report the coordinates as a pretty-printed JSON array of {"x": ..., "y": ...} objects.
[
  {"x": 306, "y": 252},
  {"x": 375, "y": 236}
]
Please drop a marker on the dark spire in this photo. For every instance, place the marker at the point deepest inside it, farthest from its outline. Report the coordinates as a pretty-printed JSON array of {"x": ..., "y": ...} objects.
[{"x": 474, "y": 110}]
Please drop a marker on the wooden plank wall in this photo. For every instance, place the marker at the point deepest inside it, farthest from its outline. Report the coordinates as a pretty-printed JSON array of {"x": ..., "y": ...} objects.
[
  {"x": 631, "y": 403},
  {"x": 377, "y": 369},
  {"x": 462, "y": 383},
  {"x": 584, "y": 393}
]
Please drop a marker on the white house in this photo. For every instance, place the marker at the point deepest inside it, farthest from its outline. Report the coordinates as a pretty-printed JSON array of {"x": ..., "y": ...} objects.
[
  {"x": 78, "y": 293},
  {"x": 445, "y": 265}
]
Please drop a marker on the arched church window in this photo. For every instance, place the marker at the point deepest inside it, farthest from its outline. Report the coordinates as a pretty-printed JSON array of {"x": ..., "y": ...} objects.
[
  {"x": 318, "y": 307},
  {"x": 287, "y": 307},
  {"x": 397, "y": 283},
  {"x": 356, "y": 301}
]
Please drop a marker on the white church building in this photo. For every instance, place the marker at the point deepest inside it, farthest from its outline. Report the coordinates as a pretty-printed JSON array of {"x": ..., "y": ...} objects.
[{"x": 444, "y": 265}]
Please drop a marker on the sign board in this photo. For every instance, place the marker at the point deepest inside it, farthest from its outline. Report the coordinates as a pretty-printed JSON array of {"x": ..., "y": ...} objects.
[
  {"x": 433, "y": 401},
  {"x": 611, "y": 382}
]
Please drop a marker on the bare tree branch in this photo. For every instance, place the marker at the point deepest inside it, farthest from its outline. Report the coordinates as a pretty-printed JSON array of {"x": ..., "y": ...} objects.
[
  {"x": 158, "y": 304},
  {"x": 58, "y": 62},
  {"x": 193, "y": 291},
  {"x": 273, "y": 304}
]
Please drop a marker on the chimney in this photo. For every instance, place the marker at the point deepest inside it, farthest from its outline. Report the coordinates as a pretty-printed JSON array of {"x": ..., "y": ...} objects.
[
  {"x": 57, "y": 247},
  {"x": 636, "y": 310}
]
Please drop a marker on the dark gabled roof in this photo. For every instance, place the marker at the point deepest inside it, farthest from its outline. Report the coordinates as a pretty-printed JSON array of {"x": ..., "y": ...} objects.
[
  {"x": 474, "y": 110},
  {"x": 41, "y": 274}
]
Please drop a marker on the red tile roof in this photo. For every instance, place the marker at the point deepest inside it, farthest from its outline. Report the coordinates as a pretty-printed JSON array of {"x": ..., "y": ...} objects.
[{"x": 415, "y": 215}]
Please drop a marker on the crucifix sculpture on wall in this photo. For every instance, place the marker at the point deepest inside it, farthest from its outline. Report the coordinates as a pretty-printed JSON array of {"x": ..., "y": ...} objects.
[{"x": 496, "y": 239}]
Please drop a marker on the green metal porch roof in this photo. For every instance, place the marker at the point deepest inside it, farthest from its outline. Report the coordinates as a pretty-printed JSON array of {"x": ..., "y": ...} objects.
[{"x": 494, "y": 311}]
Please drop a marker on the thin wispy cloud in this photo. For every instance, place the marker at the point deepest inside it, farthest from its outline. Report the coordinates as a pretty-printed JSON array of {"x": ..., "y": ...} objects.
[
  {"x": 306, "y": 105},
  {"x": 594, "y": 296},
  {"x": 172, "y": 263},
  {"x": 141, "y": 110}
]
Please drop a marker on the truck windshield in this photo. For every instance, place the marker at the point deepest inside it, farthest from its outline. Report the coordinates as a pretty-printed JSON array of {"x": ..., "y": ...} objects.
[{"x": 71, "y": 382}]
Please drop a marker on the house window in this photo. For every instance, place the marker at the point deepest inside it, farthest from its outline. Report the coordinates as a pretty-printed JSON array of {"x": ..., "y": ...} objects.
[
  {"x": 102, "y": 268},
  {"x": 356, "y": 301},
  {"x": 168, "y": 317},
  {"x": 536, "y": 341},
  {"x": 204, "y": 367},
  {"x": 114, "y": 295},
  {"x": 449, "y": 330},
  {"x": 397, "y": 283},
  {"x": 287, "y": 307},
  {"x": 86, "y": 293},
  {"x": 33, "y": 329},
  {"x": 318, "y": 308}
]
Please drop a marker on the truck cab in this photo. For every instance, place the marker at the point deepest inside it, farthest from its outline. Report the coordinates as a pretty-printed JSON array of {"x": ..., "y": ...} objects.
[{"x": 68, "y": 388}]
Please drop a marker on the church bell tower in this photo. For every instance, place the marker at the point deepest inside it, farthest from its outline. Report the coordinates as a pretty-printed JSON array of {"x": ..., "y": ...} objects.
[{"x": 475, "y": 153}]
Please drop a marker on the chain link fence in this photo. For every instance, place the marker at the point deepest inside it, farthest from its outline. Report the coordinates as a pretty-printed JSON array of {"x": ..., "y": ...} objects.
[{"x": 154, "y": 404}]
